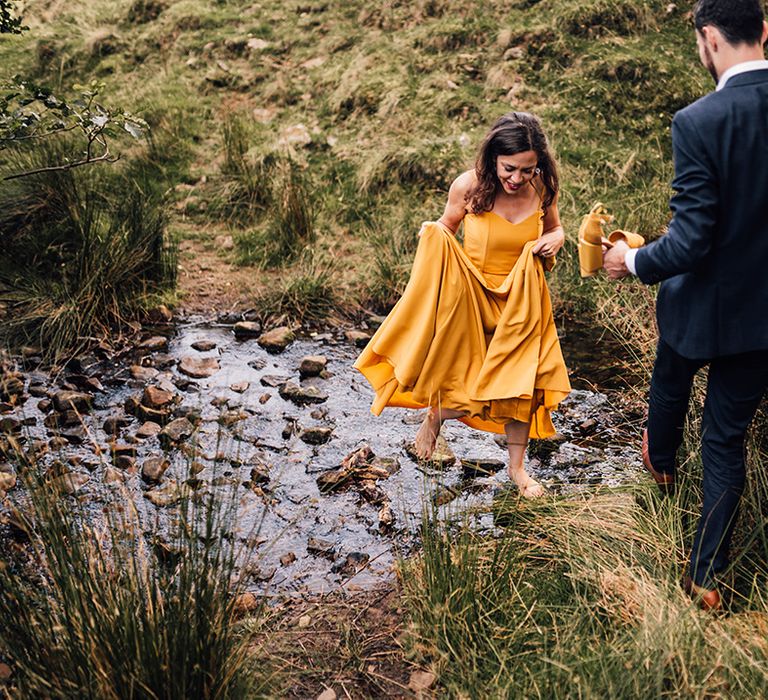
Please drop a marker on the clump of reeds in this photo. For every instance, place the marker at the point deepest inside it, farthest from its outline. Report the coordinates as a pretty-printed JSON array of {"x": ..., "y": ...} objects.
[
  {"x": 307, "y": 295},
  {"x": 289, "y": 229},
  {"x": 100, "y": 610},
  {"x": 82, "y": 251}
]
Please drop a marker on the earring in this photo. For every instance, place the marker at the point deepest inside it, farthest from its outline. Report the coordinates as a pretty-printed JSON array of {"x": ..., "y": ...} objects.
[{"x": 537, "y": 171}]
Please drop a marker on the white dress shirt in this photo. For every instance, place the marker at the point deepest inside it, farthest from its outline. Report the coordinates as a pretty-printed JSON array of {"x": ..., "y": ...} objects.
[{"x": 745, "y": 67}]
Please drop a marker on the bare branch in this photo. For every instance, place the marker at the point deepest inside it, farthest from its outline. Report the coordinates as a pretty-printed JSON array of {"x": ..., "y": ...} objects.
[{"x": 105, "y": 157}]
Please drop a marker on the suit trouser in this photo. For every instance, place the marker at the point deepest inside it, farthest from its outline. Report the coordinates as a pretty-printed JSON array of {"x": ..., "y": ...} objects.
[{"x": 735, "y": 386}]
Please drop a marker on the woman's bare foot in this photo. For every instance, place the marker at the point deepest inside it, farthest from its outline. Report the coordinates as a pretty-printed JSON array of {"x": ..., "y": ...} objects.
[
  {"x": 526, "y": 484},
  {"x": 426, "y": 437}
]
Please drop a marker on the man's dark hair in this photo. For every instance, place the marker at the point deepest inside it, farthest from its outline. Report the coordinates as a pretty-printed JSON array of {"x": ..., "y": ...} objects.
[{"x": 740, "y": 21}]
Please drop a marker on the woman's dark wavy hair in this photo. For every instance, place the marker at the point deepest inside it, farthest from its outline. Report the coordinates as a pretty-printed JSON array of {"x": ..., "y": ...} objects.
[{"x": 512, "y": 133}]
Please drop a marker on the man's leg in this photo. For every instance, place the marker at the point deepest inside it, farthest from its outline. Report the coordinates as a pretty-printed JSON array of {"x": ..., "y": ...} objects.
[
  {"x": 667, "y": 405},
  {"x": 734, "y": 389}
]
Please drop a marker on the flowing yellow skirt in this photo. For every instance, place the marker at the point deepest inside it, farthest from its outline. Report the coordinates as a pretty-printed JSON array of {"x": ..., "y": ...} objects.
[{"x": 456, "y": 341}]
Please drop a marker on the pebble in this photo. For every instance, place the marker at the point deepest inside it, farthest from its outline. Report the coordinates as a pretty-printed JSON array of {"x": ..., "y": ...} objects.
[
  {"x": 154, "y": 344},
  {"x": 239, "y": 387},
  {"x": 72, "y": 401},
  {"x": 164, "y": 496},
  {"x": 148, "y": 429},
  {"x": 287, "y": 559},
  {"x": 144, "y": 374},
  {"x": 176, "y": 431},
  {"x": 359, "y": 338},
  {"x": 316, "y": 435},
  {"x": 156, "y": 398},
  {"x": 246, "y": 329}
]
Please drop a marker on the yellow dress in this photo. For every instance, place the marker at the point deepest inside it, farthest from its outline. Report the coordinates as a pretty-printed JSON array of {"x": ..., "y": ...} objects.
[{"x": 473, "y": 330}]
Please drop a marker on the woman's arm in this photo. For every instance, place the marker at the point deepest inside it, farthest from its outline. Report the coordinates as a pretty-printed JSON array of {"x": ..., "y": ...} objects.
[
  {"x": 456, "y": 206},
  {"x": 553, "y": 237}
]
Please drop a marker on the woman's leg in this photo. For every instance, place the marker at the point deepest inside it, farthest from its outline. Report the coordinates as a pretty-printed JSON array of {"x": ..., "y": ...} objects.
[
  {"x": 426, "y": 437},
  {"x": 517, "y": 442}
]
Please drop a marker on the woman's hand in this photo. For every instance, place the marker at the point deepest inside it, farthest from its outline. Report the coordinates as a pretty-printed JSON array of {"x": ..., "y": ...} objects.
[{"x": 550, "y": 243}]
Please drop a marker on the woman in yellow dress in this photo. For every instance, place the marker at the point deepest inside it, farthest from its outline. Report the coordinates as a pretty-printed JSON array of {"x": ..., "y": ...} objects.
[{"x": 473, "y": 337}]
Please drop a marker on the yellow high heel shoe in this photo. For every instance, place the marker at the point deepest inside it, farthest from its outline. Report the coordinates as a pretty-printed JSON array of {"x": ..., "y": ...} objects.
[
  {"x": 591, "y": 239},
  {"x": 633, "y": 240}
]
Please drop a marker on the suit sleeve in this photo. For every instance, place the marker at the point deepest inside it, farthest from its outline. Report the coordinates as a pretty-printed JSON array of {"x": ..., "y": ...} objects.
[{"x": 694, "y": 210}]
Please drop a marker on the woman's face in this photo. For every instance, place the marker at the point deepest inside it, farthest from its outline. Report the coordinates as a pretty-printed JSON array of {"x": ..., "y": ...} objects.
[{"x": 516, "y": 171}]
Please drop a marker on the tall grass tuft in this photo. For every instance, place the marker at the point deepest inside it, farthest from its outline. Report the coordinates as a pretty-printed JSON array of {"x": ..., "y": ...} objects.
[
  {"x": 308, "y": 295},
  {"x": 290, "y": 226},
  {"x": 580, "y": 597},
  {"x": 82, "y": 252},
  {"x": 96, "y": 614}
]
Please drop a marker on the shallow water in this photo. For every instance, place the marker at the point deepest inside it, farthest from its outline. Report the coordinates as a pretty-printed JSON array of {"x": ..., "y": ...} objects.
[{"x": 263, "y": 428}]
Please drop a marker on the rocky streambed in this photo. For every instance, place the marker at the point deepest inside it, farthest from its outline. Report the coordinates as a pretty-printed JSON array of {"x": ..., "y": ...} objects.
[{"x": 327, "y": 493}]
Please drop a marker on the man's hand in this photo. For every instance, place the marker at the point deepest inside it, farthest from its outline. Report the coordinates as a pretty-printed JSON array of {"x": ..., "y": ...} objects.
[{"x": 613, "y": 261}]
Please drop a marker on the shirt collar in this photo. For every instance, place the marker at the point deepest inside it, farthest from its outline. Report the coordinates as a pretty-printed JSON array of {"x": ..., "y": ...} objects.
[{"x": 744, "y": 67}]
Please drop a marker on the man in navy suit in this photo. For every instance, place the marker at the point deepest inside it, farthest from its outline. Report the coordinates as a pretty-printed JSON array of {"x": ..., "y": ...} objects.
[{"x": 712, "y": 307}]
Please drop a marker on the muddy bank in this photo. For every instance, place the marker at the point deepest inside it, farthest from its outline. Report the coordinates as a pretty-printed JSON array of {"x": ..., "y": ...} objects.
[{"x": 327, "y": 493}]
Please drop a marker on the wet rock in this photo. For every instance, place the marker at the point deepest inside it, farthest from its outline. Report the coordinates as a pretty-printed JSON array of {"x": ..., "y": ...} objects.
[
  {"x": 264, "y": 398},
  {"x": 321, "y": 547},
  {"x": 153, "y": 468},
  {"x": 70, "y": 484},
  {"x": 276, "y": 340},
  {"x": 445, "y": 494},
  {"x": 67, "y": 419},
  {"x": 156, "y": 398},
  {"x": 156, "y": 343},
  {"x": 44, "y": 405},
  {"x": 166, "y": 495},
  {"x": 8, "y": 424},
  {"x": 312, "y": 365},
  {"x": 143, "y": 374},
  {"x": 57, "y": 443},
  {"x": 72, "y": 401},
  {"x": 258, "y": 363},
  {"x": 372, "y": 493},
  {"x": 246, "y": 329},
  {"x": 273, "y": 380},
  {"x": 176, "y": 431},
  {"x": 379, "y": 468},
  {"x": 116, "y": 449},
  {"x": 351, "y": 564},
  {"x": 153, "y": 415},
  {"x": 148, "y": 429},
  {"x": 125, "y": 462},
  {"x": 386, "y": 517},
  {"x": 230, "y": 418},
  {"x": 131, "y": 404},
  {"x": 588, "y": 427},
  {"x": 75, "y": 435},
  {"x": 316, "y": 435},
  {"x": 196, "y": 467},
  {"x": 288, "y": 429},
  {"x": 291, "y": 391},
  {"x": 113, "y": 476},
  {"x": 479, "y": 466},
  {"x": 359, "y": 338},
  {"x": 39, "y": 391},
  {"x": 199, "y": 368},
  {"x": 191, "y": 413},
  {"x": 263, "y": 574},
  {"x": 114, "y": 424},
  {"x": 203, "y": 345},
  {"x": 287, "y": 559}
]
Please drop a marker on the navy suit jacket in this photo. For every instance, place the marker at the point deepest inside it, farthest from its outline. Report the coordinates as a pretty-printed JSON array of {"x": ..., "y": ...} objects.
[{"x": 713, "y": 261}]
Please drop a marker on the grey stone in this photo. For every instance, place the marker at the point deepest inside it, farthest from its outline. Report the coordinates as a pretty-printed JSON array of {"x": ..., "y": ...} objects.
[
  {"x": 273, "y": 380},
  {"x": 302, "y": 395},
  {"x": 351, "y": 564}
]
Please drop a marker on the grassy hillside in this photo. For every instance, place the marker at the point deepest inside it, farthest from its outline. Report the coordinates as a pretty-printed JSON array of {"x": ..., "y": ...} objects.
[{"x": 366, "y": 112}]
